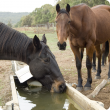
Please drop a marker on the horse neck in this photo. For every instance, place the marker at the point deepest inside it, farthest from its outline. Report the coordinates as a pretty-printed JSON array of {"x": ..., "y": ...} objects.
[
  {"x": 13, "y": 44},
  {"x": 81, "y": 17},
  {"x": 76, "y": 15}
]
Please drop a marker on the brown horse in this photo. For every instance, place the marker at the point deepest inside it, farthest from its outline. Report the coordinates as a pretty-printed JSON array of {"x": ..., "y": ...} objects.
[{"x": 85, "y": 27}]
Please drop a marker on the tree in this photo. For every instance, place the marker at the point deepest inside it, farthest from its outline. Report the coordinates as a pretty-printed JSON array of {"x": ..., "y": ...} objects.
[
  {"x": 97, "y": 2},
  {"x": 9, "y": 23},
  {"x": 27, "y": 20},
  {"x": 107, "y": 2},
  {"x": 88, "y": 2},
  {"x": 43, "y": 14}
]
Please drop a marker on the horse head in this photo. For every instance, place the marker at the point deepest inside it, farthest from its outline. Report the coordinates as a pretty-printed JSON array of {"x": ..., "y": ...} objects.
[
  {"x": 43, "y": 66},
  {"x": 62, "y": 25}
]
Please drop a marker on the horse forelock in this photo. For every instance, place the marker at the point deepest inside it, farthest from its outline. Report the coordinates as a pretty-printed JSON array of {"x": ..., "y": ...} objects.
[
  {"x": 62, "y": 11},
  {"x": 13, "y": 43}
]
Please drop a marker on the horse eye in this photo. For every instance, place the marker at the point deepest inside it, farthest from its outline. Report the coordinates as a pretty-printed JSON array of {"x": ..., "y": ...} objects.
[
  {"x": 69, "y": 22},
  {"x": 47, "y": 59},
  {"x": 55, "y": 21}
]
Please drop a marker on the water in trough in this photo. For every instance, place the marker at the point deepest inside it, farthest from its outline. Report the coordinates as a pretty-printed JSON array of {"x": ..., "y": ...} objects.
[{"x": 41, "y": 99}]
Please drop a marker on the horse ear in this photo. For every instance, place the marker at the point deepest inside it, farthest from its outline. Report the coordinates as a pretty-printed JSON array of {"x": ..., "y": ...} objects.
[
  {"x": 44, "y": 39},
  {"x": 57, "y": 8},
  {"x": 68, "y": 8},
  {"x": 36, "y": 42}
]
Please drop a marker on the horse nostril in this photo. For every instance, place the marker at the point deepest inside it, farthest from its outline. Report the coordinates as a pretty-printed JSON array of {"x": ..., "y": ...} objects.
[
  {"x": 62, "y": 88},
  {"x": 61, "y": 46},
  {"x": 64, "y": 44},
  {"x": 58, "y": 44}
]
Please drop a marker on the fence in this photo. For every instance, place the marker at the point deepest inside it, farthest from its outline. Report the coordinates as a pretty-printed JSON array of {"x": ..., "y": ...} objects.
[{"x": 40, "y": 28}]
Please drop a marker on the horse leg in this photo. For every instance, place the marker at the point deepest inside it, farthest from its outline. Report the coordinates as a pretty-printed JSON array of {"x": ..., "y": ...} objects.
[
  {"x": 105, "y": 51},
  {"x": 78, "y": 66},
  {"x": 89, "y": 55},
  {"x": 98, "y": 54},
  {"x": 103, "y": 59},
  {"x": 103, "y": 54},
  {"x": 109, "y": 62},
  {"x": 94, "y": 62},
  {"x": 81, "y": 52}
]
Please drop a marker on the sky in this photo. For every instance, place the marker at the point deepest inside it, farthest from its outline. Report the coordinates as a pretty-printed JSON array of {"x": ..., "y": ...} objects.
[{"x": 23, "y": 5}]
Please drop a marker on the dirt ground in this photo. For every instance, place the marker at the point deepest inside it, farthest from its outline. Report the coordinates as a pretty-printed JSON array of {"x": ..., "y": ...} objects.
[
  {"x": 68, "y": 69},
  {"x": 5, "y": 89}
]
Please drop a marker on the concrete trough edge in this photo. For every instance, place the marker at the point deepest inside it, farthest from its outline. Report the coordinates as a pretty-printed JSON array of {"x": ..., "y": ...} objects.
[
  {"x": 13, "y": 104},
  {"x": 82, "y": 100},
  {"x": 14, "y": 96}
]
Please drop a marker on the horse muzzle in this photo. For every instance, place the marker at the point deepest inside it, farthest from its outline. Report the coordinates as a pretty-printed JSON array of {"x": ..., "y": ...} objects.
[
  {"x": 61, "y": 46},
  {"x": 58, "y": 88},
  {"x": 62, "y": 88}
]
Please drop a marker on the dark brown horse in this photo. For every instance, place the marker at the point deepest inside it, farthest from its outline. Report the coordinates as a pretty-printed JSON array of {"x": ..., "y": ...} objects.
[
  {"x": 104, "y": 51},
  {"x": 85, "y": 27},
  {"x": 43, "y": 66}
]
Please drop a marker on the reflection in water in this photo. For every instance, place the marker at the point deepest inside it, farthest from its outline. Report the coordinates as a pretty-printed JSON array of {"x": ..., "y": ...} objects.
[
  {"x": 25, "y": 104},
  {"x": 66, "y": 104},
  {"x": 41, "y": 99}
]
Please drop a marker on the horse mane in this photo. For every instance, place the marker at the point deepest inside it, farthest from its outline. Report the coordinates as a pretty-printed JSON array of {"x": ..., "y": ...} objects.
[{"x": 13, "y": 43}]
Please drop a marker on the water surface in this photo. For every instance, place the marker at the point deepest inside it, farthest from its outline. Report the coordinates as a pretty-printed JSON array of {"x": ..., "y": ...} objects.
[{"x": 41, "y": 99}]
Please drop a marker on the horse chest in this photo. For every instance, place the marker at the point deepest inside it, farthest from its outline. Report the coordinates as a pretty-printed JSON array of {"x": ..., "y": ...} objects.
[{"x": 78, "y": 42}]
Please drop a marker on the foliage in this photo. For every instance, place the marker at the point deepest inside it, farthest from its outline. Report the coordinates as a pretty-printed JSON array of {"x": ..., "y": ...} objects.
[
  {"x": 44, "y": 14},
  {"x": 9, "y": 23},
  {"x": 107, "y": 2},
  {"x": 47, "y": 12},
  {"x": 26, "y": 20},
  {"x": 99, "y": 2}
]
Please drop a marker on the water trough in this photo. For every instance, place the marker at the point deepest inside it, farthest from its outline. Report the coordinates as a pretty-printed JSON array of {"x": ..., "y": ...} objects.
[{"x": 80, "y": 101}]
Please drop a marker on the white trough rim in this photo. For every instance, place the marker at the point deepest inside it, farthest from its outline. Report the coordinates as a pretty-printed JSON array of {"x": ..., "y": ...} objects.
[{"x": 23, "y": 74}]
